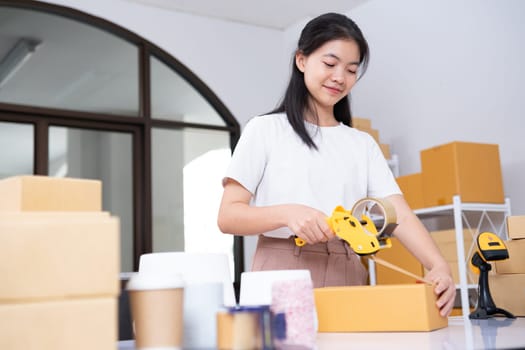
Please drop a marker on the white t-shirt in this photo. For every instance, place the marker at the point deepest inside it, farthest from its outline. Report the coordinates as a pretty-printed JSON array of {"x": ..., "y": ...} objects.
[{"x": 277, "y": 167}]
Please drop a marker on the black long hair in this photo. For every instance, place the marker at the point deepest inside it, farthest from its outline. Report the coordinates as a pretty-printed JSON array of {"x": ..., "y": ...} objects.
[{"x": 318, "y": 31}]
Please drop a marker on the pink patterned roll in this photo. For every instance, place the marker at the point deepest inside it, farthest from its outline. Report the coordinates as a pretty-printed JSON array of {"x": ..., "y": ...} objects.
[{"x": 295, "y": 298}]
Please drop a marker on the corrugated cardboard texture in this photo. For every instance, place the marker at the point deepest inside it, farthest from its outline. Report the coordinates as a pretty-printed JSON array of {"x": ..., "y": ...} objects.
[
  {"x": 84, "y": 324},
  {"x": 58, "y": 256},
  {"x": 378, "y": 308},
  {"x": 516, "y": 261},
  {"x": 385, "y": 148},
  {"x": 471, "y": 170},
  {"x": 508, "y": 292},
  {"x": 412, "y": 188},
  {"x": 516, "y": 226},
  {"x": 399, "y": 256},
  {"x": 446, "y": 242},
  {"x": 42, "y": 193},
  {"x": 361, "y": 123}
]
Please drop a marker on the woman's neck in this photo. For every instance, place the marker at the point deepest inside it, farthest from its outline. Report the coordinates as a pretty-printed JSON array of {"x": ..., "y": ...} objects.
[{"x": 321, "y": 117}]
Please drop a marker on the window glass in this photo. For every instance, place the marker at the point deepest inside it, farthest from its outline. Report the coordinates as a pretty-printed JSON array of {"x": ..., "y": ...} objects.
[
  {"x": 173, "y": 98},
  {"x": 52, "y": 61},
  {"x": 187, "y": 169},
  {"x": 16, "y": 149},
  {"x": 102, "y": 155}
]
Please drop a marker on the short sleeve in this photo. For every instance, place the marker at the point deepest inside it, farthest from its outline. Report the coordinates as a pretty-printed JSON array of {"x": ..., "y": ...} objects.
[
  {"x": 381, "y": 181},
  {"x": 250, "y": 155}
]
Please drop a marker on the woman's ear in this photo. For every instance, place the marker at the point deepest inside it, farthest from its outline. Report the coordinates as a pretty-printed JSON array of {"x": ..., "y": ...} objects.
[{"x": 300, "y": 61}]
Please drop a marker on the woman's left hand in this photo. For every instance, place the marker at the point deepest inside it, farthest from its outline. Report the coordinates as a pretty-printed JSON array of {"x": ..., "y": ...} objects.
[{"x": 444, "y": 288}]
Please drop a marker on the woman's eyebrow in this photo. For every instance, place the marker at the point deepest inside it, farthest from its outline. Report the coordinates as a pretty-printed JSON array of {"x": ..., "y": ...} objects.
[{"x": 337, "y": 58}]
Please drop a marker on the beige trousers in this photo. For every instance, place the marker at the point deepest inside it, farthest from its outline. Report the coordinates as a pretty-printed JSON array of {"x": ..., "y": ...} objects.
[{"x": 331, "y": 264}]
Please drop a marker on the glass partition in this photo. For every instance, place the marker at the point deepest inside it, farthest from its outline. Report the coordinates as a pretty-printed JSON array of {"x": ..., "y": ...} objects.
[
  {"x": 52, "y": 61},
  {"x": 187, "y": 170},
  {"x": 16, "y": 149},
  {"x": 102, "y": 155},
  {"x": 173, "y": 98}
]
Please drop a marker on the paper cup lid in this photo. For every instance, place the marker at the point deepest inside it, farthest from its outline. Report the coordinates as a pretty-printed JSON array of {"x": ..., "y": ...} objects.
[{"x": 147, "y": 281}]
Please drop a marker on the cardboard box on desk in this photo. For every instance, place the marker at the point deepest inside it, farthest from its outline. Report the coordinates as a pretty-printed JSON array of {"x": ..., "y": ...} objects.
[
  {"x": 516, "y": 261},
  {"x": 399, "y": 256},
  {"x": 74, "y": 324},
  {"x": 508, "y": 292},
  {"x": 516, "y": 226},
  {"x": 42, "y": 193},
  {"x": 471, "y": 170},
  {"x": 388, "y": 308},
  {"x": 52, "y": 255}
]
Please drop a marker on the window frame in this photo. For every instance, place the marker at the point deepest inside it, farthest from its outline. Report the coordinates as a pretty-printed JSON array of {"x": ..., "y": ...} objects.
[{"x": 139, "y": 126}]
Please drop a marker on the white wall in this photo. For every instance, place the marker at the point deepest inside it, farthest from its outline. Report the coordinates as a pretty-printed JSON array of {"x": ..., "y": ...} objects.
[{"x": 443, "y": 71}]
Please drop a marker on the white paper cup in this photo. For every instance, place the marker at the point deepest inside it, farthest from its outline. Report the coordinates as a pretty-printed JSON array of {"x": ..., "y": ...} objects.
[{"x": 157, "y": 310}]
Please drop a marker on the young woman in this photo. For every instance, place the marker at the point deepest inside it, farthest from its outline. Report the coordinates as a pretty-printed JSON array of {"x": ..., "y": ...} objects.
[{"x": 292, "y": 167}]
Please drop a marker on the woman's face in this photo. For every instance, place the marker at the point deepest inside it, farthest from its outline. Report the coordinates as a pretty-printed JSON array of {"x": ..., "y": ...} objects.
[{"x": 330, "y": 72}]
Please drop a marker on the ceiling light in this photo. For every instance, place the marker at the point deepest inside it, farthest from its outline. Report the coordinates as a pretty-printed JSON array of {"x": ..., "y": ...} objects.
[{"x": 16, "y": 57}]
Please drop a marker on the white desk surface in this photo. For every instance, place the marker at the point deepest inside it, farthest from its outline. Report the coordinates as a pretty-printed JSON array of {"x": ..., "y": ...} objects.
[{"x": 464, "y": 334}]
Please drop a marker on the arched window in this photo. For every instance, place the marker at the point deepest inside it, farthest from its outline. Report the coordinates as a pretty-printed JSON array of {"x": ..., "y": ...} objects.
[{"x": 82, "y": 97}]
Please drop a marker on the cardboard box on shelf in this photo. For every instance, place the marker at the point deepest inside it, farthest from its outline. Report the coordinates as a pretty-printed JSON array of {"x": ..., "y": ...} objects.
[
  {"x": 508, "y": 292},
  {"x": 470, "y": 170},
  {"x": 374, "y": 133},
  {"x": 412, "y": 188},
  {"x": 449, "y": 236},
  {"x": 399, "y": 256},
  {"x": 42, "y": 193},
  {"x": 516, "y": 226},
  {"x": 58, "y": 256},
  {"x": 472, "y": 278},
  {"x": 446, "y": 242},
  {"x": 403, "y": 307},
  {"x": 516, "y": 261},
  {"x": 385, "y": 148},
  {"x": 80, "y": 324},
  {"x": 361, "y": 123}
]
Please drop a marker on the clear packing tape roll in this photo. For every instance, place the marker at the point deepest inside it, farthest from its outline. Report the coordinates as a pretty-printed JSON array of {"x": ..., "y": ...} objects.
[
  {"x": 380, "y": 211},
  {"x": 383, "y": 214}
]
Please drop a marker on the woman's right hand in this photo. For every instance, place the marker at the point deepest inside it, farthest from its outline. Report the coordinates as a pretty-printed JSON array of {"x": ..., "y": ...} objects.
[{"x": 308, "y": 223}]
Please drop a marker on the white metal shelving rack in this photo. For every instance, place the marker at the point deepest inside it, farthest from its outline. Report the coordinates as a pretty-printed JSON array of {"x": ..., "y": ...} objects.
[{"x": 458, "y": 211}]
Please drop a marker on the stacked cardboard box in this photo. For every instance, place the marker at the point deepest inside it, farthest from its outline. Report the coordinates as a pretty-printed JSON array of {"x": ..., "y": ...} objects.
[
  {"x": 59, "y": 265},
  {"x": 507, "y": 286},
  {"x": 470, "y": 170},
  {"x": 365, "y": 125},
  {"x": 412, "y": 188},
  {"x": 447, "y": 244}
]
